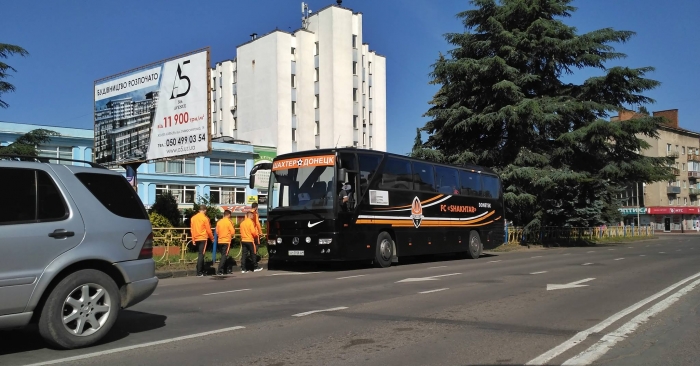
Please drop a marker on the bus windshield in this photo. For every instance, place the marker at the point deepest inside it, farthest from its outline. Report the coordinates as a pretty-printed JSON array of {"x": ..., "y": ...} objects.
[{"x": 302, "y": 188}]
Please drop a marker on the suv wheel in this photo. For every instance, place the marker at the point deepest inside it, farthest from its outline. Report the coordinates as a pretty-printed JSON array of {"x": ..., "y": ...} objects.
[{"x": 80, "y": 310}]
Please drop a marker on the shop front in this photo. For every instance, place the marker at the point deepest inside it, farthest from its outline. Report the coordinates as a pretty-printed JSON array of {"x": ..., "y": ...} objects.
[
  {"x": 635, "y": 216},
  {"x": 675, "y": 219}
]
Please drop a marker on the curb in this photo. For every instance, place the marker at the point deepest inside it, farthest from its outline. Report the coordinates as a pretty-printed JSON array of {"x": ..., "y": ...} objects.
[{"x": 165, "y": 274}]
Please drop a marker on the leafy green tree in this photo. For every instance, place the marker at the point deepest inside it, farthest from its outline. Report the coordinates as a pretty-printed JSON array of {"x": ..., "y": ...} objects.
[
  {"x": 7, "y": 50},
  {"x": 26, "y": 144},
  {"x": 166, "y": 206},
  {"x": 503, "y": 103},
  {"x": 213, "y": 211}
]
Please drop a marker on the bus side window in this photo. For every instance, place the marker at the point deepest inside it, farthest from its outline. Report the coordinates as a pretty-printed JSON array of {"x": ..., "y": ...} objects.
[
  {"x": 490, "y": 186},
  {"x": 396, "y": 174},
  {"x": 423, "y": 177},
  {"x": 470, "y": 182},
  {"x": 447, "y": 180},
  {"x": 368, "y": 167}
]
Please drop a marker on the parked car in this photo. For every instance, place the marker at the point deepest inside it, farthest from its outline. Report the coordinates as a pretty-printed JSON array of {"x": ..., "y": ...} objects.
[{"x": 77, "y": 246}]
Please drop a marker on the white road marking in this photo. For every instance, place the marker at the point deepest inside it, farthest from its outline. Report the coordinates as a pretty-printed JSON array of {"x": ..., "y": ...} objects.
[
  {"x": 581, "y": 336},
  {"x": 227, "y": 292},
  {"x": 539, "y": 272},
  {"x": 430, "y": 278},
  {"x": 537, "y": 256},
  {"x": 662, "y": 252},
  {"x": 569, "y": 285},
  {"x": 587, "y": 264},
  {"x": 608, "y": 341},
  {"x": 129, "y": 348},
  {"x": 436, "y": 267},
  {"x": 293, "y": 273},
  {"x": 611, "y": 249},
  {"x": 567, "y": 253},
  {"x": 642, "y": 255},
  {"x": 494, "y": 261},
  {"x": 342, "y": 278},
  {"x": 592, "y": 251},
  {"x": 619, "y": 259},
  {"x": 629, "y": 247},
  {"x": 320, "y": 311},
  {"x": 430, "y": 291}
]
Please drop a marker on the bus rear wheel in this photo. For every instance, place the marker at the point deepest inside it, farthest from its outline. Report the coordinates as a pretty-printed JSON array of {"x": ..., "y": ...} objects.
[
  {"x": 384, "y": 250},
  {"x": 475, "y": 246}
]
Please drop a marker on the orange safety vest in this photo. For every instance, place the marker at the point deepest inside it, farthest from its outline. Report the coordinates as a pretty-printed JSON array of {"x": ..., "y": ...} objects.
[{"x": 200, "y": 228}]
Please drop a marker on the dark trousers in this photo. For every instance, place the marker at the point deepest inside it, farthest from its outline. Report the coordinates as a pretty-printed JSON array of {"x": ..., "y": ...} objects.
[
  {"x": 201, "y": 247},
  {"x": 223, "y": 249},
  {"x": 248, "y": 254}
]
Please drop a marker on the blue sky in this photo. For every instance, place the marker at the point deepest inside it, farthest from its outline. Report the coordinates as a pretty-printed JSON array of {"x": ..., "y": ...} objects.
[{"x": 73, "y": 43}]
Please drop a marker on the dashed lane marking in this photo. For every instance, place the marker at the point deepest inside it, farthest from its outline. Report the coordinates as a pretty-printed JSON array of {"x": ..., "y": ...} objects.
[
  {"x": 540, "y": 272},
  {"x": 320, "y": 311},
  {"x": 431, "y": 291},
  {"x": 342, "y": 278},
  {"x": 587, "y": 264},
  {"x": 227, "y": 292}
]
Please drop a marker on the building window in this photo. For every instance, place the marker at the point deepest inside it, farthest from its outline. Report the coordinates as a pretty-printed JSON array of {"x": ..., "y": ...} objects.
[
  {"x": 369, "y": 68},
  {"x": 182, "y": 194},
  {"x": 354, "y": 94},
  {"x": 317, "y": 101},
  {"x": 683, "y": 165},
  {"x": 354, "y": 67},
  {"x": 227, "y": 195},
  {"x": 685, "y": 201},
  {"x": 354, "y": 122},
  {"x": 235, "y": 76},
  {"x": 235, "y": 124},
  {"x": 235, "y": 101},
  {"x": 294, "y": 50},
  {"x": 370, "y": 91},
  {"x": 354, "y": 41},
  {"x": 317, "y": 128},
  {"x": 668, "y": 147},
  {"x": 683, "y": 150},
  {"x": 294, "y": 134},
  {"x": 214, "y": 106},
  {"x": 294, "y": 81},
  {"x": 316, "y": 74},
  {"x": 370, "y": 142},
  {"x": 316, "y": 49},
  {"x": 370, "y": 118},
  {"x": 684, "y": 185},
  {"x": 176, "y": 166},
  {"x": 221, "y": 79},
  {"x": 364, "y": 139},
  {"x": 214, "y": 130},
  {"x": 294, "y": 108},
  {"x": 227, "y": 168},
  {"x": 58, "y": 152},
  {"x": 213, "y": 86},
  {"x": 676, "y": 148}
]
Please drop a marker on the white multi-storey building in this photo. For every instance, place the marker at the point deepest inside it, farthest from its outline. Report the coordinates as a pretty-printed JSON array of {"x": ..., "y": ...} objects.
[{"x": 318, "y": 87}]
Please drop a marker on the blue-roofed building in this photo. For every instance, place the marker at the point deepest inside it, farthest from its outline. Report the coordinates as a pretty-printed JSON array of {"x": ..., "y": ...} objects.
[{"x": 221, "y": 175}]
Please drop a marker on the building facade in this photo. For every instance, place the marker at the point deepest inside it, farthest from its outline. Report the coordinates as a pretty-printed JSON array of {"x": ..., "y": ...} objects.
[
  {"x": 671, "y": 206},
  {"x": 317, "y": 87},
  {"x": 221, "y": 175}
]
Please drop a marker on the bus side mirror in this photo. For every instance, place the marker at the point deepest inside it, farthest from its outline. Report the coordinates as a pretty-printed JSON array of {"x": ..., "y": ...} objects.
[
  {"x": 342, "y": 175},
  {"x": 251, "y": 181}
]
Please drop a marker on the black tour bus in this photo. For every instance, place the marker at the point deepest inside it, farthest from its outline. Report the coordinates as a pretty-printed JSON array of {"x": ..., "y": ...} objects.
[{"x": 396, "y": 206}]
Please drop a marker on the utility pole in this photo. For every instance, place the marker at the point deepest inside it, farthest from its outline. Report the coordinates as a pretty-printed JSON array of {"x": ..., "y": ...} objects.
[{"x": 639, "y": 223}]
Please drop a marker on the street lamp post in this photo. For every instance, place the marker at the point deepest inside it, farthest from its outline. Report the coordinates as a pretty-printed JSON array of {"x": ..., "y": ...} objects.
[{"x": 639, "y": 223}]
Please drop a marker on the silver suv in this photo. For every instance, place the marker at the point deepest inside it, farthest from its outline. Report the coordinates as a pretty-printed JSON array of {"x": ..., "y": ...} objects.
[{"x": 76, "y": 248}]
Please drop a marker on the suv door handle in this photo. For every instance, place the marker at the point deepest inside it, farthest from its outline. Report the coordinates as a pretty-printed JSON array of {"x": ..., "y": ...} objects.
[{"x": 61, "y": 233}]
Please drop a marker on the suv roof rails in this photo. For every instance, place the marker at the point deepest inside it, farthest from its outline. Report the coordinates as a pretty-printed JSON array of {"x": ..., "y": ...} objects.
[{"x": 46, "y": 160}]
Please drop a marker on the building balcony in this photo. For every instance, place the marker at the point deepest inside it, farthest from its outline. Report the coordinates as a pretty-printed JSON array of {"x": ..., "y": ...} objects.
[
  {"x": 294, "y": 121},
  {"x": 676, "y": 171},
  {"x": 693, "y": 157},
  {"x": 673, "y": 190},
  {"x": 693, "y": 191},
  {"x": 294, "y": 67},
  {"x": 316, "y": 61},
  {"x": 672, "y": 154},
  {"x": 316, "y": 88},
  {"x": 356, "y": 81},
  {"x": 317, "y": 115},
  {"x": 318, "y": 141},
  {"x": 294, "y": 94},
  {"x": 693, "y": 174}
]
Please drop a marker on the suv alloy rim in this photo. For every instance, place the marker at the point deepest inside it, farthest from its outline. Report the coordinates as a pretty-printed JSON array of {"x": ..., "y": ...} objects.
[{"x": 86, "y": 309}]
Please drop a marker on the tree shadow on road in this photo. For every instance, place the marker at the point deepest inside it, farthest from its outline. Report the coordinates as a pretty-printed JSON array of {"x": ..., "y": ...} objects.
[
  {"x": 346, "y": 266},
  {"x": 129, "y": 322}
]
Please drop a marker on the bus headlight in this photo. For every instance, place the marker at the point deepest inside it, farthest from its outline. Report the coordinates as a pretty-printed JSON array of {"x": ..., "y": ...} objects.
[
  {"x": 308, "y": 240},
  {"x": 324, "y": 241},
  {"x": 279, "y": 240}
]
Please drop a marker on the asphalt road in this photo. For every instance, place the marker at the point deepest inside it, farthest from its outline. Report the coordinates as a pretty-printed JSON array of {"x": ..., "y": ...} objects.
[{"x": 628, "y": 304}]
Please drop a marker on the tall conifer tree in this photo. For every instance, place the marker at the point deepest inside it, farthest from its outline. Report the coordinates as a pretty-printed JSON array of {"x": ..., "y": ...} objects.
[{"x": 503, "y": 103}]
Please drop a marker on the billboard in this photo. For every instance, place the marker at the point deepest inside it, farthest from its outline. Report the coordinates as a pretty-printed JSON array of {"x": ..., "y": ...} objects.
[{"x": 155, "y": 112}]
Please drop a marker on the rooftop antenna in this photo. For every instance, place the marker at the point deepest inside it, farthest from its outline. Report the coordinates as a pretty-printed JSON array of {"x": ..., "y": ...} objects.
[
  {"x": 340, "y": 2},
  {"x": 305, "y": 15},
  {"x": 336, "y": 143}
]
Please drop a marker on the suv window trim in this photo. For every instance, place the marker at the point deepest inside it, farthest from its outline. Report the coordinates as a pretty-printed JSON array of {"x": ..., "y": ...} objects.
[{"x": 36, "y": 220}]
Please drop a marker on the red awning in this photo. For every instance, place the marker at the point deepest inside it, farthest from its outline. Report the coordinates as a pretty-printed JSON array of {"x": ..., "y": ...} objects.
[{"x": 673, "y": 210}]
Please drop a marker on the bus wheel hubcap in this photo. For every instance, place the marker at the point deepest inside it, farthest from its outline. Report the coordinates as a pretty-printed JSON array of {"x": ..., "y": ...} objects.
[
  {"x": 385, "y": 249},
  {"x": 474, "y": 245}
]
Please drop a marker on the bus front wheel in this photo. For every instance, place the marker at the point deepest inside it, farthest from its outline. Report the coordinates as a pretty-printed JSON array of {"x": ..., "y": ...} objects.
[
  {"x": 384, "y": 250},
  {"x": 475, "y": 246}
]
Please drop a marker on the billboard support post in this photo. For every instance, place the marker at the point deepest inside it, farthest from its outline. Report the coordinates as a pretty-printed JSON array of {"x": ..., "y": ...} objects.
[{"x": 132, "y": 173}]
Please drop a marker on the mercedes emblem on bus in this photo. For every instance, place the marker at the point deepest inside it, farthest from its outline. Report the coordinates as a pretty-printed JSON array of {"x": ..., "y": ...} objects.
[{"x": 295, "y": 241}]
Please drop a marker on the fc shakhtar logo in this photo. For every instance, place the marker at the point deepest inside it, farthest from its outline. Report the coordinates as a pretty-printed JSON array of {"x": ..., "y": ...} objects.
[{"x": 416, "y": 212}]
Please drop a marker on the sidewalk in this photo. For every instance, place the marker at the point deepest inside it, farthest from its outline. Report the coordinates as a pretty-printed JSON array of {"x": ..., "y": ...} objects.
[{"x": 190, "y": 269}]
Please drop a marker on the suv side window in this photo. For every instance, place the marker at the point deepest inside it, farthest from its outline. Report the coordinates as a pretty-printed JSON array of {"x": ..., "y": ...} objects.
[
  {"x": 115, "y": 194},
  {"x": 34, "y": 197}
]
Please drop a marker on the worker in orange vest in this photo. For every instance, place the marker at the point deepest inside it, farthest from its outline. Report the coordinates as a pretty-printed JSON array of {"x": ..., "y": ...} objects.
[
  {"x": 256, "y": 222},
  {"x": 248, "y": 235},
  {"x": 225, "y": 233},
  {"x": 200, "y": 228}
]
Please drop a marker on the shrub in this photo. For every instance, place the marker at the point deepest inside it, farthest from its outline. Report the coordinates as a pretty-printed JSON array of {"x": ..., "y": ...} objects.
[{"x": 166, "y": 206}]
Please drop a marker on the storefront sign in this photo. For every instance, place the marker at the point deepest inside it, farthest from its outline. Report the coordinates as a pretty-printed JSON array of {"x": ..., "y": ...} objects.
[
  {"x": 633, "y": 210},
  {"x": 673, "y": 210}
]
